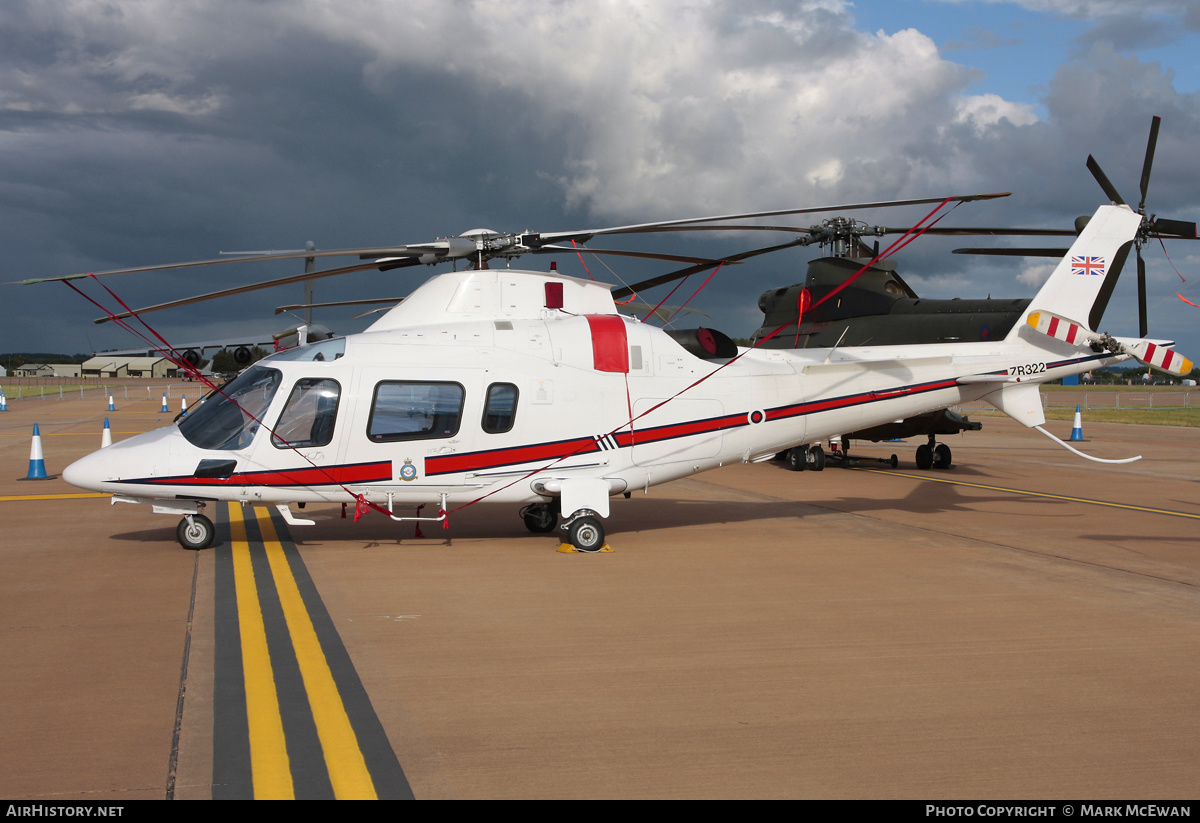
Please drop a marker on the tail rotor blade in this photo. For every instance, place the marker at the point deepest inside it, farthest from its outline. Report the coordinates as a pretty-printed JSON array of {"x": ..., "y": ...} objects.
[
  {"x": 1104, "y": 182},
  {"x": 1150, "y": 145}
]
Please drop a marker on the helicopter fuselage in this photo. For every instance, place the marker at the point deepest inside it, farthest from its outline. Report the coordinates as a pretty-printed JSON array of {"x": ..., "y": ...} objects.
[{"x": 516, "y": 386}]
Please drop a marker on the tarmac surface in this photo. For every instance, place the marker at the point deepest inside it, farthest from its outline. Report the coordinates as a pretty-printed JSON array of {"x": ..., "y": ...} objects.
[{"x": 1023, "y": 625}]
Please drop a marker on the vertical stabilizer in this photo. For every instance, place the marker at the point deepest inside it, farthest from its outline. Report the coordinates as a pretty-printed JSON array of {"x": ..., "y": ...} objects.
[{"x": 1085, "y": 278}]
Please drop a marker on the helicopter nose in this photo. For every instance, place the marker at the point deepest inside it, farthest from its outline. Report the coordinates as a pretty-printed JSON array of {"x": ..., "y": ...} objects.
[
  {"x": 143, "y": 455},
  {"x": 86, "y": 472}
]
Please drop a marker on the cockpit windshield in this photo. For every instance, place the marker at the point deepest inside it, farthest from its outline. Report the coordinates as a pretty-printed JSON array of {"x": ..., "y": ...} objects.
[{"x": 229, "y": 420}]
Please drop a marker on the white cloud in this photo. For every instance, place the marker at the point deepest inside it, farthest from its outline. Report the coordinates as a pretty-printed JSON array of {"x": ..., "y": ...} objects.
[
  {"x": 984, "y": 110},
  {"x": 685, "y": 107},
  {"x": 1036, "y": 275}
]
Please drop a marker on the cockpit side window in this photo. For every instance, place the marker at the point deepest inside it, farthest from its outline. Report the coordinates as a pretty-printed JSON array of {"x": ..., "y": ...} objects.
[
  {"x": 409, "y": 410},
  {"x": 307, "y": 419},
  {"x": 500, "y": 408},
  {"x": 229, "y": 419}
]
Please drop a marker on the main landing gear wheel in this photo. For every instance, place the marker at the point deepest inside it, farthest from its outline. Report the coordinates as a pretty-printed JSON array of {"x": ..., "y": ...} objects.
[
  {"x": 941, "y": 456},
  {"x": 816, "y": 459},
  {"x": 540, "y": 518},
  {"x": 586, "y": 534},
  {"x": 797, "y": 458},
  {"x": 195, "y": 532},
  {"x": 933, "y": 456},
  {"x": 924, "y": 457}
]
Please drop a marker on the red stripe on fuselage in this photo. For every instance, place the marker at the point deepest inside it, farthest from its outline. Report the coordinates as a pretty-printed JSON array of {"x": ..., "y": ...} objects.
[
  {"x": 314, "y": 476},
  {"x": 454, "y": 463}
]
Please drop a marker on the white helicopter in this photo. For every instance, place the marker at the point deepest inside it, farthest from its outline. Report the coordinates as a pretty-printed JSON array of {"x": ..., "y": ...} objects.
[{"x": 532, "y": 389}]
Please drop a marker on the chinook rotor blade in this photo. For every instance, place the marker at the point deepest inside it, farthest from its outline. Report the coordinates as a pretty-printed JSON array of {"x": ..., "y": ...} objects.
[
  {"x": 1104, "y": 182},
  {"x": 1149, "y": 161},
  {"x": 266, "y": 284},
  {"x": 1177, "y": 229},
  {"x": 1013, "y": 252},
  {"x": 626, "y": 291},
  {"x": 1143, "y": 326},
  {"x": 996, "y": 232},
  {"x": 551, "y": 237}
]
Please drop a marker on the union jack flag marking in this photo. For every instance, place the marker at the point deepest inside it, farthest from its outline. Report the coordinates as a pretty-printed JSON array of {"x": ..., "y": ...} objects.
[{"x": 1087, "y": 265}]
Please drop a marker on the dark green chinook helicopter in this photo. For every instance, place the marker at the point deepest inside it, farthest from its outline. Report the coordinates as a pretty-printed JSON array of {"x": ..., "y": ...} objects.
[{"x": 878, "y": 308}]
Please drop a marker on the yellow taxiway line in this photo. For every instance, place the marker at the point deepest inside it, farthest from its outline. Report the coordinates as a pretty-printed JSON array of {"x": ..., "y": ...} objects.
[
  {"x": 269, "y": 763},
  {"x": 16, "y": 497},
  {"x": 343, "y": 757},
  {"x": 1035, "y": 494}
]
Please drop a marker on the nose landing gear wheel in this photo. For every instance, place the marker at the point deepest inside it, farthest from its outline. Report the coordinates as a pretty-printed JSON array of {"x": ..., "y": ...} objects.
[
  {"x": 586, "y": 534},
  {"x": 195, "y": 532}
]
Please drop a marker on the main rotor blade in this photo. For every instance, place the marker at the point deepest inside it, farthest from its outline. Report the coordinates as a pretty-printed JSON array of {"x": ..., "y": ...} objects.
[
  {"x": 374, "y": 252},
  {"x": 369, "y": 302},
  {"x": 282, "y": 281},
  {"x": 625, "y": 291},
  {"x": 1104, "y": 182},
  {"x": 641, "y": 227},
  {"x": 674, "y": 258},
  {"x": 1150, "y": 145}
]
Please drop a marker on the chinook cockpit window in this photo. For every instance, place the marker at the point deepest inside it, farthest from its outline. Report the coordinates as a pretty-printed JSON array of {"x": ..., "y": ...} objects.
[
  {"x": 307, "y": 419},
  {"x": 404, "y": 410},
  {"x": 229, "y": 419}
]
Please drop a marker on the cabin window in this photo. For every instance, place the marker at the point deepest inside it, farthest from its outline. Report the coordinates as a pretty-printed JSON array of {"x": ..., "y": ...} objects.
[
  {"x": 230, "y": 418},
  {"x": 500, "y": 409},
  {"x": 307, "y": 419},
  {"x": 414, "y": 411}
]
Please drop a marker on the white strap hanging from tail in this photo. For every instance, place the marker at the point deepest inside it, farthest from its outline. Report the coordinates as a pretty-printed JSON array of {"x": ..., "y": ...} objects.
[{"x": 1070, "y": 448}]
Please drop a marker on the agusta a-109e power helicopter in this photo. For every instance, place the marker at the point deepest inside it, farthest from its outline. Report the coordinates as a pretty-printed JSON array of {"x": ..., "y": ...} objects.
[{"x": 531, "y": 389}]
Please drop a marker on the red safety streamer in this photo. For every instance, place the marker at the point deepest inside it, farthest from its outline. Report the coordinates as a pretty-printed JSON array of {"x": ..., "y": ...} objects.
[
  {"x": 361, "y": 504},
  {"x": 633, "y": 419}
]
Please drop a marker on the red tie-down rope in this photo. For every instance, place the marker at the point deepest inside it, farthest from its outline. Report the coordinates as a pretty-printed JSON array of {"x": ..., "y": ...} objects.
[
  {"x": 685, "y": 302},
  {"x": 910, "y": 235},
  {"x": 361, "y": 504}
]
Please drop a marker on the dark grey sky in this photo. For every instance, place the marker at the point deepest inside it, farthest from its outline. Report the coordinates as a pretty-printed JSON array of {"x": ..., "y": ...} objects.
[{"x": 146, "y": 132}]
